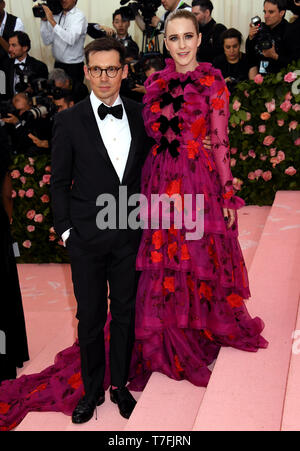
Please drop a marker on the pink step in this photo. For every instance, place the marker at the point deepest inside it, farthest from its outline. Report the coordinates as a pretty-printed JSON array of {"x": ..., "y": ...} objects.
[{"x": 247, "y": 390}]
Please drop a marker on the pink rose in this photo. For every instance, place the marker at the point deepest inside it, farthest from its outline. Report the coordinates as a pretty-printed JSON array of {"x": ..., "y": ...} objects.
[
  {"x": 296, "y": 107},
  {"x": 48, "y": 168},
  {"x": 41, "y": 184},
  {"x": 45, "y": 199},
  {"x": 265, "y": 116},
  {"x": 30, "y": 214},
  {"x": 13, "y": 194},
  {"x": 297, "y": 142},
  {"x": 280, "y": 122},
  {"x": 274, "y": 161},
  {"x": 237, "y": 183},
  {"x": 290, "y": 77},
  {"x": 51, "y": 230},
  {"x": 233, "y": 150},
  {"x": 27, "y": 244},
  {"x": 262, "y": 129},
  {"x": 293, "y": 125},
  {"x": 286, "y": 106},
  {"x": 30, "y": 193},
  {"x": 232, "y": 162},
  {"x": 288, "y": 96},
  {"x": 31, "y": 161},
  {"x": 246, "y": 94},
  {"x": 23, "y": 180},
  {"x": 251, "y": 153},
  {"x": 248, "y": 116},
  {"x": 31, "y": 228},
  {"x": 251, "y": 176},
  {"x": 268, "y": 140},
  {"x": 281, "y": 155},
  {"x": 15, "y": 174},
  {"x": 248, "y": 130},
  {"x": 290, "y": 170},
  {"x": 52, "y": 237},
  {"x": 258, "y": 173},
  {"x": 39, "y": 218},
  {"x": 243, "y": 157},
  {"x": 271, "y": 106},
  {"x": 263, "y": 157},
  {"x": 273, "y": 151},
  {"x": 28, "y": 169},
  {"x": 22, "y": 193},
  {"x": 233, "y": 125},
  {"x": 46, "y": 178},
  {"x": 236, "y": 105},
  {"x": 259, "y": 79},
  {"x": 267, "y": 176}
]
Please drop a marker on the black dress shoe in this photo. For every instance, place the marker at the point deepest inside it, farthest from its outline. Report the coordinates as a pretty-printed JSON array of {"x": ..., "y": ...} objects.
[
  {"x": 124, "y": 399},
  {"x": 84, "y": 410}
]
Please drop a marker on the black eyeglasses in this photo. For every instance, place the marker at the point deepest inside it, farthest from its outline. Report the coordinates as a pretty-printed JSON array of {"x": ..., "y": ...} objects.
[{"x": 111, "y": 71}]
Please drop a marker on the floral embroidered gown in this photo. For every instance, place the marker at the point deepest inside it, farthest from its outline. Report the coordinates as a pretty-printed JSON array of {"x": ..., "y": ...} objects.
[
  {"x": 191, "y": 292},
  {"x": 190, "y": 295}
]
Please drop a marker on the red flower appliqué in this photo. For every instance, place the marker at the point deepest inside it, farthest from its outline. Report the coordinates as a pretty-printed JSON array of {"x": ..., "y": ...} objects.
[
  {"x": 208, "y": 80},
  {"x": 157, "y": 239},
  {"x": 4, "y": 408},
  {"x": 199, "y": 128},
  {"x": 218, "y": 104},
  {"x": 193, "y": 149},
  {"x": 234, "y": 300},
  {"x": 155, "y": 108},
  {"x": 75, "y": 380}
]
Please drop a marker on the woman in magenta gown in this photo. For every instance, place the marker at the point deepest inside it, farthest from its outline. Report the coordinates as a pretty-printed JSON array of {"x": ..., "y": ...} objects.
[{"x": 191, "y": 293}]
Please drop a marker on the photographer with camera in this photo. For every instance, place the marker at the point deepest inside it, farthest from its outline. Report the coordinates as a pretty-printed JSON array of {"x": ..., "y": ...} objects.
[
  {"x": 8, "y": 24},
  {"x": 233, "y": 64},
  {"x": 267, "y": 45},
  {"x": 121, "y": 24},
  {"x": 29, "y": 127},
  {"x": 66, "y": 33},
  {"x": 61, "y": 80},
  {"x": 21, "y": 68}
]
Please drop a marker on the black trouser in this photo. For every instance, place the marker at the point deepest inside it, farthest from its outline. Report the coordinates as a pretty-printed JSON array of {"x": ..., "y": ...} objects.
[
  {"x": 75, "y": 71},
  {"x": 90, "y": 274}
]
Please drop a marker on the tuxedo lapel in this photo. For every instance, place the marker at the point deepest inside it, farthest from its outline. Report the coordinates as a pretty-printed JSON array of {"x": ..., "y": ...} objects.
[{"x": 90, "y": 123}]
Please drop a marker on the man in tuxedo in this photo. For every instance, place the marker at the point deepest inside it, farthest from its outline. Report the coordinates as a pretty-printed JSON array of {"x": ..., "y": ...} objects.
[
  {"x": 8, "y": 24},
  {"x": 21, "y": 63},
  {"x": 99, "y": 145}
]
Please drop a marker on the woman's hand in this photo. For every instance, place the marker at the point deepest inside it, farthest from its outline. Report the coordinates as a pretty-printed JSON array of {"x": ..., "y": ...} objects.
[
  {"x": 139, "y": 88},
  {"x": 207, "y": 143},
  {"x": 11, "y": 119},
  {"x": 229, "y": 216}
]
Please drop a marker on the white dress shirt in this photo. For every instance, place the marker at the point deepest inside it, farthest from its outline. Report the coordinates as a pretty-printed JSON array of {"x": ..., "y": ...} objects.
[
  {"x": 67, "y": 37},
  {"x": 115, "y": 134},
  {"x": 17, "y": 77},
  {"x": 116, "y": 137},
  {"x": 18, "y": 27}
]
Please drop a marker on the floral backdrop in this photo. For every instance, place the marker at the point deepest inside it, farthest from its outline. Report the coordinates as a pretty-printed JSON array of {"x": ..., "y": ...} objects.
[{"x": 264, "y": 133}]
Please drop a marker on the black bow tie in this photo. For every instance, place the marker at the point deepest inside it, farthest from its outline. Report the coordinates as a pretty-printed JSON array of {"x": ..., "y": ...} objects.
[{"x": 116, "y": 111}]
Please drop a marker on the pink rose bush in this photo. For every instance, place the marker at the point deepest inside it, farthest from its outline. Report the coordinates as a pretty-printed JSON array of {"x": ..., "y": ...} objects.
[
  {"x": 32, "y": 225},
  {"x": 265, "y": 135}
]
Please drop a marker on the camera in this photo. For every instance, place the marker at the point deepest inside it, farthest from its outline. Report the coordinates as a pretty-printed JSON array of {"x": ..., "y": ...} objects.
[
  {"x": 54, "y": 5},
  {"x": 263, "y": 39},
  {"x": 255, "y": 21},
  {"x": 147, "y": 8}
]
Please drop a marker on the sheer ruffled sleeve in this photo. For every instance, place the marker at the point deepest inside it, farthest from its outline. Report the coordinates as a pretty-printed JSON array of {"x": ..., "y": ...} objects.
[{"x": 219, "y": 115}]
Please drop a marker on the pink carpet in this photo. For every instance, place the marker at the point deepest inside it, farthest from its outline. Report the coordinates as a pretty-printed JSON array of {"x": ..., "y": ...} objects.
[{"x": 50, "y": 309}]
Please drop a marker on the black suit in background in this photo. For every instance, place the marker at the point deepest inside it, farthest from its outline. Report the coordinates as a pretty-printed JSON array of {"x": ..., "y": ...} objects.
[
  {"x": 97, "y": 256},
  {"x": 36, "y": 68}
]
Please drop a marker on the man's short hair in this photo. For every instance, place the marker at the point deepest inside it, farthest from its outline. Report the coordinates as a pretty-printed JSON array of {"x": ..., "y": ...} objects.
[
  {"x": 204, "y": 5},
  {"x": 120, "y": 12},
  {"x": 156, "y": 63},
  {"x": 58, "y": 74},
  {"x": 23, "y": 38},
  {"x": 231, "y": 33},
  {"x": 105, "y": 44},
  {"x": 282, "y": 4}
]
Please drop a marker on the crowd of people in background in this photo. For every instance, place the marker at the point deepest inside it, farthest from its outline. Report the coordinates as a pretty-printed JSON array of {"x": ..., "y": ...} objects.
[{"x": 271, "y": 45}]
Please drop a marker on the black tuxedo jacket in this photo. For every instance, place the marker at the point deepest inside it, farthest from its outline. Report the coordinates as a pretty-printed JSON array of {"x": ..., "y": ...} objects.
[
  {"x": 82, "y": 170},
  {"x": 36, "y": 67}
]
